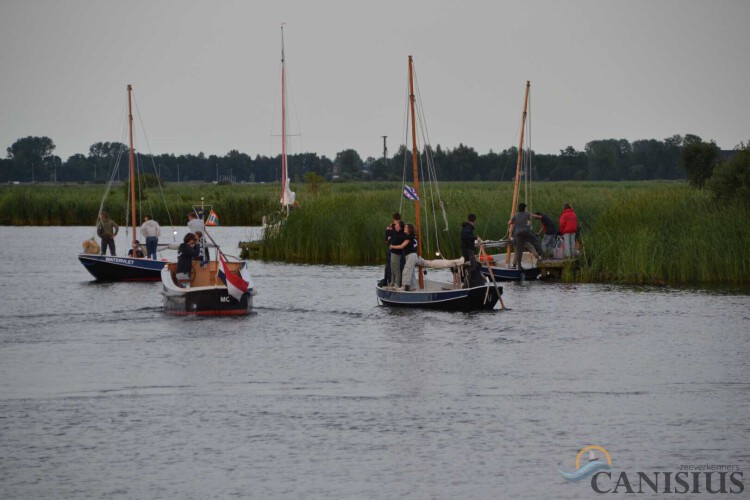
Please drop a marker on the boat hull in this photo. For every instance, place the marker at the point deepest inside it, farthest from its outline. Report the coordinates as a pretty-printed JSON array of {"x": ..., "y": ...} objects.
[
  {"x": 505, "y": 274},
  {"x": 205, "y": 301},
  {"x": 110, "y": 268},
  {"x": 463, "y": 299}
]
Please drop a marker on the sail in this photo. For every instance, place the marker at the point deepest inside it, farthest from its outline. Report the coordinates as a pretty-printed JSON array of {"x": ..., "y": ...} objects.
[{"x": 287, "y": 196}]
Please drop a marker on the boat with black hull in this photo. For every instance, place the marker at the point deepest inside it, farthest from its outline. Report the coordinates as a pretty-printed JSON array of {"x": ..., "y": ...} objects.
[
  {"x": 501, "y": 265},
  {"x": 468, "y": 290},
  {"x": 134, "y": 267},
  {"x": 214, "y": 288}
]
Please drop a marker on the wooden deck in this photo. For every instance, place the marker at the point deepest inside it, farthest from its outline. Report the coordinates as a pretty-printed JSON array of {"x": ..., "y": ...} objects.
[{"x": 552, "y": 269}]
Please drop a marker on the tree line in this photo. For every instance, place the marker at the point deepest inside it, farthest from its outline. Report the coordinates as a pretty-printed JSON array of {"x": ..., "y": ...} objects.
[{"x": 32, "y": 159}]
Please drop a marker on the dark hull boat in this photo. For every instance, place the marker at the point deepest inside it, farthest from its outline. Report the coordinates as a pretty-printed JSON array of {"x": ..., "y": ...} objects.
[
  {"x": 207, "y": 294},
  {"x": 109, "y": 268},
  {"x": 442, "y": 296}
]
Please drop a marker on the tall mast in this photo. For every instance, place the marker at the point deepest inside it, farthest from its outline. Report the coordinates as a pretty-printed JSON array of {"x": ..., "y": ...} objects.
[
  {"x": 133, "y": 215},
  {"x": 518, "y": 165},
  {"x": 284, "y": 200},
  {"x": 416, "y": 173}
]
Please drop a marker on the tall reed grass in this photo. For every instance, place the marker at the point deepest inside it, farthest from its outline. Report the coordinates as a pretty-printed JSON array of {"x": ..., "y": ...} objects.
[{"x": 632, "y": 232}]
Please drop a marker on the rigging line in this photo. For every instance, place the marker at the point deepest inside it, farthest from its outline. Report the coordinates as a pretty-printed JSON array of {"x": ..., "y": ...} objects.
[{"x": 153, "y": 163}]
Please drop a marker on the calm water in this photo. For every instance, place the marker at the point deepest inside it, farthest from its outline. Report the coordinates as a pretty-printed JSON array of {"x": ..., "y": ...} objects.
[{"x": 321, "y": 393}]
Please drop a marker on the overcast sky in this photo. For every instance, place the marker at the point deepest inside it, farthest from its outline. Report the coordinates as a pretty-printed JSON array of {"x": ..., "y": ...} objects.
[{"x": 207, "y": 73}]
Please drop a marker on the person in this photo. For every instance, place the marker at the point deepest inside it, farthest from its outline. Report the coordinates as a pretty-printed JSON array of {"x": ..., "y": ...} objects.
[
  {"x": 568, "y": 230},
  {"x": 195, "y": 224},
  {"x": 136, "y": 250},
  {"x": 409, "y": 248},
  {"x": 107, "y": 229},
  {"x": 396, "y": 252},
  {"x": 522, "y": 234},
  {"x": 203, "y": 245},
  {"x": 389, "y": 230},
  {"x": 549, "y": 230},
  {"x": 151, "y": 231},
  {"x": 187, "y": 251},
  {"x": 468, "y": 241}
]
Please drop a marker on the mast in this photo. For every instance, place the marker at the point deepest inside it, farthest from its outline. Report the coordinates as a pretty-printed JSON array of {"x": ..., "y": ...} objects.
[
  {"x": 133, "y": 216},
  {"x": 414, "y": 161},
  {"x": 518, "y": 166},
  {"x": 284, "y": 198}
]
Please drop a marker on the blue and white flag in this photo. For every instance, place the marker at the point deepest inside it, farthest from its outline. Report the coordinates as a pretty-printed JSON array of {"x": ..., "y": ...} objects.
[{"x": 410, "y": 193}]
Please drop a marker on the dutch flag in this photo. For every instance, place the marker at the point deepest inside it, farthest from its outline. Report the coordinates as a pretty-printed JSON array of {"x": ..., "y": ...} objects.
[
  {"x": 410, "y": 193},
  {"x": 236, "y": 285}
]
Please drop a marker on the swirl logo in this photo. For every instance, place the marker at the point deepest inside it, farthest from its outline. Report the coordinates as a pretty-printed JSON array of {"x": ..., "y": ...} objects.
[{"x": 599, "y": 459}]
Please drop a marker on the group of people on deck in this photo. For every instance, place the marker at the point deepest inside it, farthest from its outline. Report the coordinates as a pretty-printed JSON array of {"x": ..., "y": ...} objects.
[
  {"x": 523, "y": 236},
  {"x": 402, "y": 243},
  {"x": 107, "y": 229},
  {"x": 401, "y": 239}
]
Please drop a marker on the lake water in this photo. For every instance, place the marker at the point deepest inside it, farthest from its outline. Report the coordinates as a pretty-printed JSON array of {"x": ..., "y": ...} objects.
[{"x": 321, "y": 393}]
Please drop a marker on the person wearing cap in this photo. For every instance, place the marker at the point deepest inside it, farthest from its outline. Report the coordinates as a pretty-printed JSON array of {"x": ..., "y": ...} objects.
[{"x": 522, "y": 234}]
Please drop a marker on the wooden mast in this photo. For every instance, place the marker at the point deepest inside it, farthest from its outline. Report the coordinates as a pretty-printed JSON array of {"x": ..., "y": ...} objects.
[
  {"x": 133, "y": 215},
  {"x": 284, "y": 200},
  {"x": 518, "y": 169},
  {"x": 416, "y": 172}
]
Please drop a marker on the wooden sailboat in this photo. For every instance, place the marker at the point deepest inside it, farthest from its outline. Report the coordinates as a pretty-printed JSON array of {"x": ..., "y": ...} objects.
[
  {"x": 501, "y": 265},
  {"x": 455, "y": 295},
  {"x": 114, "y": 268}
]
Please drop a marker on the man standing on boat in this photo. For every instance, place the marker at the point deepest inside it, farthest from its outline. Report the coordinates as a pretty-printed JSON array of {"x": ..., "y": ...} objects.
[
  {"x": 468, "y": 241},
  {"x": 522, "y": 234},
  {"x": 107, "y": 229},
  {"x": 151, "y": 231},
  {"x": 389, "y": 231}
]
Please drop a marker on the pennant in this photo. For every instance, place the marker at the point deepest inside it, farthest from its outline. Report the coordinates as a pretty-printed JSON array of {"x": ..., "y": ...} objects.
[
  {"x": 213, "y": 219},
  {"x": 236, "y": 286},
  {"x": 410, "y": 193}
]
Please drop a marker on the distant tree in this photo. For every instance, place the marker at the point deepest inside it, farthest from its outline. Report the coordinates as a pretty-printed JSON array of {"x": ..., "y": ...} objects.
[
  {"x": 33, "y": 156},
  {"x": 347, "y": 162},
  {"x": 699, "y": 160},
  {"x": 731, "y": 179}
]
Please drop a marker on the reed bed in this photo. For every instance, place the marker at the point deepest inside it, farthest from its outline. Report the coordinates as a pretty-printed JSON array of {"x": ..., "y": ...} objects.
[{"x": 632, "y": 232}]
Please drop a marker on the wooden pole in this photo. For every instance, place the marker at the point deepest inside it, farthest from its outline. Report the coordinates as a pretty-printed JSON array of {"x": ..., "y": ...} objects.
[
  {"x": 518, "y": 171},
  {"x": 133, "y": 213}
]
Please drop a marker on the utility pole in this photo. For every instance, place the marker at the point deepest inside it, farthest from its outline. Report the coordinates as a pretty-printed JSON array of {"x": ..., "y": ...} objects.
[{"x": 385, "y": 152}]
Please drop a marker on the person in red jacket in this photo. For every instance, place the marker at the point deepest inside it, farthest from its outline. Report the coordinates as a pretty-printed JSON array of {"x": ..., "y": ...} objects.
[{"x": 568, "y": 229}]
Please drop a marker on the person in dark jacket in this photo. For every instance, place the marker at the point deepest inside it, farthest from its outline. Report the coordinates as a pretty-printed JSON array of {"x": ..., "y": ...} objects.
[
  {"x": 389, "y": 230},
  {"x": 549, "y": 230},
  {"x": 188, "y": 251},
  {"x": 396, "y": 253},
  {"x": 468, "y": 240}
]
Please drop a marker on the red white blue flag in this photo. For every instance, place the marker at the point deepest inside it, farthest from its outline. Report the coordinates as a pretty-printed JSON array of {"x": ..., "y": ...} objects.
[
  {"x": 213, "y": 219},
  {"x": 410, "y": 193},
  {"x": 237, "y": 286}
]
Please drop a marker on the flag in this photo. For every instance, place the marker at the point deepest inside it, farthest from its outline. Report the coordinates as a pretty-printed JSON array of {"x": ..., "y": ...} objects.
[
  {"x": 236, "y": 286},
  {"x": 410, "y": 193},
  {"x": 213, "y": 219}
]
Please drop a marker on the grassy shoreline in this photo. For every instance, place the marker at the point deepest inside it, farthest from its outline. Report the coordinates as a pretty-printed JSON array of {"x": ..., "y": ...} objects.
[{"x": 650, "y": 232}]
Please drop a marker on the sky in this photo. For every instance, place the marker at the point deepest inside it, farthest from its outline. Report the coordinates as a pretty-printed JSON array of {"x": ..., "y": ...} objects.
[{"x": 206, "y": 74}]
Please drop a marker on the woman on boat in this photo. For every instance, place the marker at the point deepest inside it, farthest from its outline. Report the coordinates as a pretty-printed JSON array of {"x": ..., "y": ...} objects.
[
  {"x": 409, "y": 249},
  {"x": 396, "y": 248},
  {"x": 187, "y": 251}
]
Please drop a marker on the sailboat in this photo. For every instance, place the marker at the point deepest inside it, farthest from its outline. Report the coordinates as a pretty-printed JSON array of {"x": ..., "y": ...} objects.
[
  {"x": 287, "y": 195},
  {"x": 500, "y": 265},
  {"x": 131, "y": 268},
  {"x": 458, "y": 295}
]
